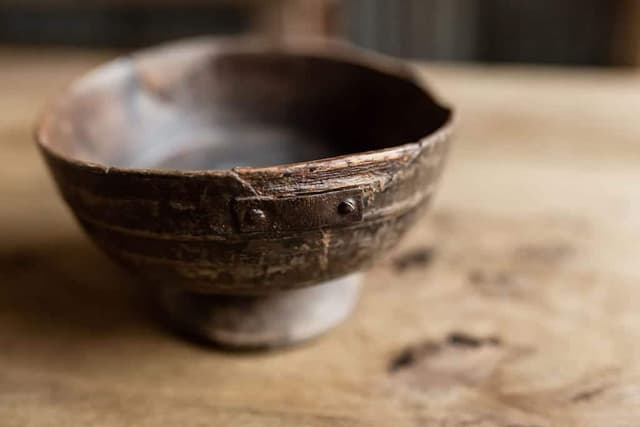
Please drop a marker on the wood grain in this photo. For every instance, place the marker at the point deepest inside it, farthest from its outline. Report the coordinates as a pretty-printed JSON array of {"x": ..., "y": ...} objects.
[{"x": 523, "y": 313}]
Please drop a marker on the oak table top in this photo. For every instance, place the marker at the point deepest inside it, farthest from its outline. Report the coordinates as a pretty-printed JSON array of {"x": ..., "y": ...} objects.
[{"x": 514, "y": 302}]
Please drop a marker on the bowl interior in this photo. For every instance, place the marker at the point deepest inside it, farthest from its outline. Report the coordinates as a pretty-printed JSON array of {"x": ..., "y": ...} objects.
[{"x": 225, "y": 109}]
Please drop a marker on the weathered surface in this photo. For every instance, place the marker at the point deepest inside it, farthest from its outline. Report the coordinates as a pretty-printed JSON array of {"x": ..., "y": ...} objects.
[
  {"x": 376, "y": 138},
  {"x": 251, "y": 171},
  {"x": 525, "y": 315}
]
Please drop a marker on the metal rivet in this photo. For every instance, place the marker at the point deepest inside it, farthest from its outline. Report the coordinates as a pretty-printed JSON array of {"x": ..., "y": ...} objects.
[
  {"x": 347, "y": 206},
  {"x": 256, "y": 216}
]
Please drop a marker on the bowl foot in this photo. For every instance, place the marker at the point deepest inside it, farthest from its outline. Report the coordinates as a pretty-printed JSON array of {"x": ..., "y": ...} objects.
[{"x": 262, "y": 321}]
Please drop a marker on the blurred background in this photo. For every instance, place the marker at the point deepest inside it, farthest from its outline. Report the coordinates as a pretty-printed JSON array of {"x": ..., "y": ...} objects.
[{"x": 572, "y": 32}]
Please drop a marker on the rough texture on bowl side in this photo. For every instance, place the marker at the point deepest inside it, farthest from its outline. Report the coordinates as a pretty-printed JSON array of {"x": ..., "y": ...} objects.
[{"x": 253, "y": 230}]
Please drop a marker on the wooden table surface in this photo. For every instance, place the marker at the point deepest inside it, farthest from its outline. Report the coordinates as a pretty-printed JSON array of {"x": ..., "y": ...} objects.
[{"x": 515, "y": 302}]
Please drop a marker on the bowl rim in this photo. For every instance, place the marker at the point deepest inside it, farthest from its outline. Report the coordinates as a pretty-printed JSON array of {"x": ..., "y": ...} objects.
[{"x": 321, "y": 48}]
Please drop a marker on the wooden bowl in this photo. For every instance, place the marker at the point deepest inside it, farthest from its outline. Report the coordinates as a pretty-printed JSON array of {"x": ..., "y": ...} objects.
[{"x": 248, "y": 181}]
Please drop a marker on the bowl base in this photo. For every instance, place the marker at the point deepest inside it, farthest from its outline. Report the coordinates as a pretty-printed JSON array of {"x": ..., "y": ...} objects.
[{"x": 262, "y": 321}]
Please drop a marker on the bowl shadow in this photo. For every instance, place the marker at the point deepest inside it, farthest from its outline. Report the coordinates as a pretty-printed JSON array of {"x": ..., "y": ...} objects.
[
  {"x": 68, "y": 289},
  {"x": 68, "y": 294}
]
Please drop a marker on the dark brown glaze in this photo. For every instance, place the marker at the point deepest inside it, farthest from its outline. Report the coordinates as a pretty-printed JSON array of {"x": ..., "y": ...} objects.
[{"x": 170, "y": 161}]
